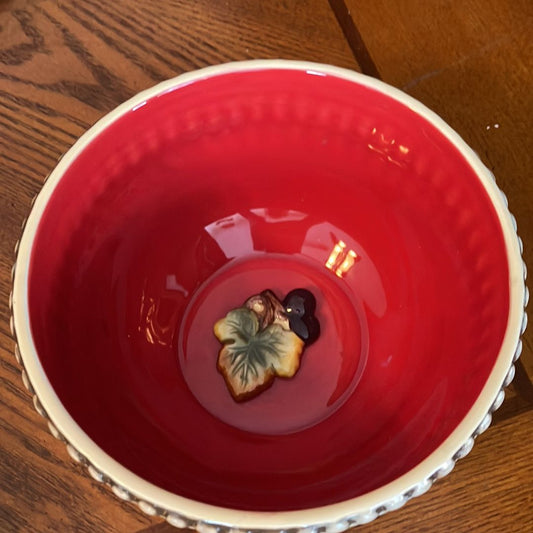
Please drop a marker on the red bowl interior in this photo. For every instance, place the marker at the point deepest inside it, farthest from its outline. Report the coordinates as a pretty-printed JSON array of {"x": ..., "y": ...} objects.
[{"x": 208, "y": 193}]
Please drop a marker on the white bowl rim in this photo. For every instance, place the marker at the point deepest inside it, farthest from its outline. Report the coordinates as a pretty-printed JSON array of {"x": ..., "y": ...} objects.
[{"x": 337, "y": 513}]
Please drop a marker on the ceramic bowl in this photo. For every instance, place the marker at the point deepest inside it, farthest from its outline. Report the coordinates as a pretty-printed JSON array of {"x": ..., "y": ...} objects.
[{"x": 219, "y": 184}]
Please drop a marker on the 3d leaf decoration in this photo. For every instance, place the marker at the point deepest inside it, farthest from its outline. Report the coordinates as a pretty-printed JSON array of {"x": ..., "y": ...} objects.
[{"x": 251, "y": 357}]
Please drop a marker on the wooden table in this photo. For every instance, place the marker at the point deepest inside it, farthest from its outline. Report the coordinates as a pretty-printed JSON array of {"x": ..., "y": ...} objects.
[{"x": 65, "y": 63}]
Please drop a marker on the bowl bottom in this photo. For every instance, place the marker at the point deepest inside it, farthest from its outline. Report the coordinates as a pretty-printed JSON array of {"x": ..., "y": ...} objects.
[{"x": 330, "y": 368}]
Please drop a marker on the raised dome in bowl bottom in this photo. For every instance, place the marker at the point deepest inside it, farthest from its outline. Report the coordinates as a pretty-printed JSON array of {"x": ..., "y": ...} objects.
[{"x": 186, "y": 206}]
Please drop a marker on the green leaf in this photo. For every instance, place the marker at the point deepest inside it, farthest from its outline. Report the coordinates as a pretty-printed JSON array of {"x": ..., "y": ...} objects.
[{"x": 250, "y": 357}]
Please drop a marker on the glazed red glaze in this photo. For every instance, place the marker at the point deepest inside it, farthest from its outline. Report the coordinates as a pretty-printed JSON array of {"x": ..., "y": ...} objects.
[{"x": 219, "y": 189}]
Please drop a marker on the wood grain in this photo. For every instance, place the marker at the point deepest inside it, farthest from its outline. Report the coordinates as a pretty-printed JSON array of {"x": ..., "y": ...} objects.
[
  {"x": 65, "y": 63},
  {"x": 354, "y": 38}
]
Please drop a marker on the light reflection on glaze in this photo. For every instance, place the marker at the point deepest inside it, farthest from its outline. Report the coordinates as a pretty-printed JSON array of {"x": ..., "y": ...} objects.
[
  {"x": 341, "y": 260},
  {"x": 233, "y": 235},
  {"x": 390, "y": 150}
]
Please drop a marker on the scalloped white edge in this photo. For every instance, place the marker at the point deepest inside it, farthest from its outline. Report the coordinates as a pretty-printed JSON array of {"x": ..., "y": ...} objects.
[{"x": 335, "y": 518}]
